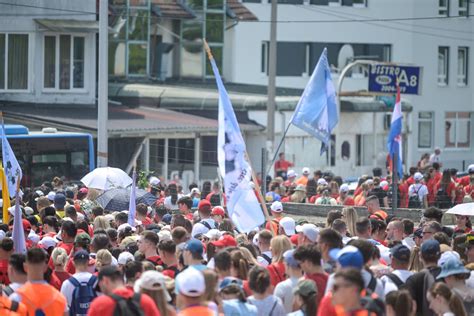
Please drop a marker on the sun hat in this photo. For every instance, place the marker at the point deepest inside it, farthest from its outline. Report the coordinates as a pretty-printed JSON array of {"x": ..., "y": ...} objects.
[
  {"x": 152, "y": 280},
  {"x": 453, "y": 267},
  {"x": 191, "y": 283},
  {"x": 447, "y": 255}
]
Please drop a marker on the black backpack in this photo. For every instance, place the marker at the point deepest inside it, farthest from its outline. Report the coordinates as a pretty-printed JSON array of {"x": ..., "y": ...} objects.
[
  {"x": 443, "y": 199},
  {"x": 373, "y": 304},
  {"x": 414, "y": 199},
  {"x": 127, "y": 306},
  {"x": 396, "y": 280}
]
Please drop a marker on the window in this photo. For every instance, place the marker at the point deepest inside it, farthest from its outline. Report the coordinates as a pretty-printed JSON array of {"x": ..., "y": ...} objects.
[
  {"x": 64, "y": 62},
  {"x": 464, "y": 8},
  {"x": 291, "y": 59},
  {"x": 425, "y": 129},
  {"x": 443, "y": 65},
  {"x": 264, "y": 60},
  {"x": 14, "y": 61},
  {"x": 290, "y": 1},
  {"x": 443, "y": 7},
  {"x": 463, "y": 55},
  {"x": 346, "y": 150},
  {"x": 458, "y": 129},
  {"x": 334, "y": 2}
]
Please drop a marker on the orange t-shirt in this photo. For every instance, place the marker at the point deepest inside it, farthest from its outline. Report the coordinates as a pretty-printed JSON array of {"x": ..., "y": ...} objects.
[
  {"x": 42, "y": 296},
  {"x": 197, "y": 311}
]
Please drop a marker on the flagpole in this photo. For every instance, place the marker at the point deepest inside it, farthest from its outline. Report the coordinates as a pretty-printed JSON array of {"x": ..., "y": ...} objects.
[
  {"x": 254, "y": 176},
  {"x": 394, "y": 182},
  {"x": 278, "y": 148}
]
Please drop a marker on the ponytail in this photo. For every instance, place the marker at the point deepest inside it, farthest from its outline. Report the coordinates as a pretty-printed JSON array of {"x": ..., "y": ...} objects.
[
  {"x": 243, "y": 269},
  {"x": 456, "y": 305}
]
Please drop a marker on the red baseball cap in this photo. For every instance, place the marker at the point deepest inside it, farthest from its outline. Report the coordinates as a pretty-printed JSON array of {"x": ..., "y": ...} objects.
[
  {"x": 218, "y": 210},
  {"x": 204, "y": 204},
  {"x": 225, "y": 241},
  {"x": 26, "y": 224}
]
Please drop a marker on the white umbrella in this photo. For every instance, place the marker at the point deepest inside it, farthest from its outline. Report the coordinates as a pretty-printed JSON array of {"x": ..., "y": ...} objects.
[
  {"x": 464, "y": 209},
  {"x": 107, "y": 178}
]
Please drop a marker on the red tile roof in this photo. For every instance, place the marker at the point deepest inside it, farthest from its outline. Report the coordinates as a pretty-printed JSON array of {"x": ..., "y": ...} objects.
[
  {"x": 172, "y": 9},
  {"x": 240, "y": 11}
]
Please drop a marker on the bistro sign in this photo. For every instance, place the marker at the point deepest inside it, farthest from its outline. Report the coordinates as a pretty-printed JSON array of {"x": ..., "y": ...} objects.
[{"x": 383, "y": 78}]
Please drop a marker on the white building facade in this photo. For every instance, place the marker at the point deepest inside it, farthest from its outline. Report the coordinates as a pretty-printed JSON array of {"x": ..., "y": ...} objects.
[{"x": 403, "y": 32}]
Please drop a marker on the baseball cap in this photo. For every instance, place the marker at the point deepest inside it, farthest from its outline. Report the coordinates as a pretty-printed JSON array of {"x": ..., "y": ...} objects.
[
  {"x": 305, "y": 170},
  {"x": 81, "y": 255},
  {"x": 277, "y": 207},
  {"x": 204, "y": 205},
  {"x": 124, "y": 226},
  {"x": 84, "y": 190},
  {"x": 26, "y": 224},
  {"x": 344, "y": 188},
  {"x": 218, "y": 210},
  {"x": 401, "y": 253},
  {"x": 82, "y": 238},
  {"x": 213, "y": 234},
  {"x": 51, "y": 195},
  {"x": 191, "y": 283},
  {"x": 195, "y": 191},
  {"x": 164, "y": 235},
  {"x": 349, "y": 256},
  {"x": 225, "y": 241},
  {"x": 305, "y": 288},
  {"x": 309, "y": 230},
  {"x": 29, "y": 211},
  {"x": 167, "y": 218},
  {"x": 199, "y": 230},
  {"x": 453, "y": 266},
  {"x": 154, "y": 181},
  {"x": 470, "y": 169},
  {"x": 47, "y": 242},
  {"x": 430, "y": 248},
  {"x": 152, "y": 280},
  {"x": 229, "y": 281},
  {"x": 322, "y": 181},
  {"x": 418, "y": 176},
  {"x": 380, "y": 215},
  {"x": 288, "y": 225},
  {"x": 125, "y": 257},
  {"x": 59, "y": 200},
  {"x": 289, "y": 258},
  {"x": 291, "y": 174},
  {"x": 194, "y": 246}
]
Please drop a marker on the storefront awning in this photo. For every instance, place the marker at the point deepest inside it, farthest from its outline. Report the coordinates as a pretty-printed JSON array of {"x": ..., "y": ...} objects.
[{"x": 67, "y": 25}]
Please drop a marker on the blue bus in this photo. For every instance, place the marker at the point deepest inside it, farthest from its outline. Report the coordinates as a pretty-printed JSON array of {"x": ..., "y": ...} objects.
[{"x": 49, "y": 153}]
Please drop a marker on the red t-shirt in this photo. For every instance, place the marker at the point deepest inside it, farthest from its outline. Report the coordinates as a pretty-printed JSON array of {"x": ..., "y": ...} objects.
[
  {"x": 4, "y": 272},
  {"x": 147, "y": 221},
  {"x": 449, "y": 189},
  {"x": 464, "y": 181},
  {"x": 62, "y": 276},
  {"x": 277, "y": 273},
  {"x": 156, "y": 260},
  {"x": 55, "y": 282},
  {"x": 348, "y": 201},
  {"x": 321, "y": 280},
  {"x": 275, "y": 225},
  {"x": 104, "y": 305},
  {"x": 68, "y": 247},
  {"x": 469, "y": 190},
  {"x": 326, "y": 308},
  {"x": 283, "y": 165}
]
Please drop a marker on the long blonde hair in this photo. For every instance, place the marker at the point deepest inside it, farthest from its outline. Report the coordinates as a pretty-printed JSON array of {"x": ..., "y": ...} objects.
[
  {"x": 350, "y": 217},
  {"x": 415, "y": 264},
  {"x": 298, "y": 196},
  {"x": 101, "y": 222},
  {"x": 59, "y": 257},
  {"x": 248, "y": 256},
  {"x": 279, "y": 245}
]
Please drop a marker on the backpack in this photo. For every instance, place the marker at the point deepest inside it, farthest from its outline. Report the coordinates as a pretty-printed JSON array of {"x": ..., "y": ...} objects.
[
  {"x": 414, "y": 199},
  {"x": 442, "y": 198},
  {"x": 82, "y": 295},
  {"x": 208, "y": 226},
  {"x": 267, "y": 258},
  {"x": 396, "y": 280},
  {"x": 127, "y": 306},
  {"x": 373, "y": 304}
]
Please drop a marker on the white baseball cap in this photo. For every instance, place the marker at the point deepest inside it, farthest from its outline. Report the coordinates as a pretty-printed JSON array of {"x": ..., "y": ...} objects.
[
  {"x": 154, "y": 181},
  {"x": 47, "y": 242},
  {"x": 470, "y": 169},
  {"x": 51, "y": 195},
  {"x": 322, "y": 181},
  {"x": 306, "y": 170},
  {"x": 288, "y": 225},
  {"x": 344, "y": 188},
  {"x": 309, "y": 230},
  {"x": 213, "y": 234},
  {"x": 291, "y": 174},
  {"x": 33, "y": 237},
  {"x": 124, "y": 226},
  {"x": 153, "y": 280},
  {"x": 191, "y": 283},
  {"x": 125, "y": 257},
  {"x": 195, "y": 191},
  {"x": 418, "y": 176},
  {"x": 199, "y": 229},
  {"x": 277, "y": 207},
  {"x": 164, "y": 235}
]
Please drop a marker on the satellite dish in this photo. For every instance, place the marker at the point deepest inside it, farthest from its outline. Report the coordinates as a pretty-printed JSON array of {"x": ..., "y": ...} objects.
[{"x": 345, "y": 56}]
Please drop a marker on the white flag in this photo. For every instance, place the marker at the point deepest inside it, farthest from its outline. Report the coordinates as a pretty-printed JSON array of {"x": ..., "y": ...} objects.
[{"x": 10, "y": 164}]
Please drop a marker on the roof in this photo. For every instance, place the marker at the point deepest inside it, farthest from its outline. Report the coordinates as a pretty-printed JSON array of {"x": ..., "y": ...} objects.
[
  {"x": 171, "y": 9},
  {"x": 68, "y": 25},
  {"x": 188, "y": 97},
  {"x": 123, "y": 120},
  {"x": 236, "y": 10}
]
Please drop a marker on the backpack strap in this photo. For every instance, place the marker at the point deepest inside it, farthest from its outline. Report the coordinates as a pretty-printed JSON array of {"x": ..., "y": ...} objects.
[
  {"x": 267, "y": 258},
  {"x": 92, "y": 281},
  {"x": 206, "y": 224},
  {"x": 74, "y": 281},
  {"x": 395, "y": 279},
  {"x": 273, "y": 308},
  {"x": 7, "y": 290},
  {"x": 372, "y": 284},
  {"x": 14, "y": 306}
]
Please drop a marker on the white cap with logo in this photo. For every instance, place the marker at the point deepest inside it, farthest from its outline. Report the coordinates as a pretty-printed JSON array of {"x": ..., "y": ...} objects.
[
  {"x": 277, "y": 207},
  {"x": 191, "y": 283}
]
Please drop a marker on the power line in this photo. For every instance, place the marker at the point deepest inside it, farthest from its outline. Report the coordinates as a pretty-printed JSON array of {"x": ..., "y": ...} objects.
[{"x": 45, "y": 8}]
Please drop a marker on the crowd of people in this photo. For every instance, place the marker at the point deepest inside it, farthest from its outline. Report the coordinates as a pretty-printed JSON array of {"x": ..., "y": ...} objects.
[
  {"x": 183, "y": 255},
  {"x": 424, "y": 186}
]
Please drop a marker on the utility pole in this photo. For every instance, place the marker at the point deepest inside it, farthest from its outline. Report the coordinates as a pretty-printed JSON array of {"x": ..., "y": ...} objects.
[
  {"x": 103, "y": 92},
  {"x": 272, "y": 62}
]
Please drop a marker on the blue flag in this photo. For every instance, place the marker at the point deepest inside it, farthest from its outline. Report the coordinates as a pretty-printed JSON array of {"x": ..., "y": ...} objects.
[
  {"x": 19, "y": 243},
  {"x": 394, "y": 142},
  {"x": 316, "y": 112},
  {"x": 132, "y": 207},
  {"x": 10, "y": 164},
  {"x": 242, "y": 204}
]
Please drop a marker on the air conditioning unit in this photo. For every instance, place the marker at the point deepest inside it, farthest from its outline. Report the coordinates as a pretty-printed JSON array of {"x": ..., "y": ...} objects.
[{"x": 387, "y": 121}]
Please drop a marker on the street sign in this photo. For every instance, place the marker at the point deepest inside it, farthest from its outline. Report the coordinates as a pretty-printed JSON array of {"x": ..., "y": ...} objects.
[{"x": 382, "y": 79}]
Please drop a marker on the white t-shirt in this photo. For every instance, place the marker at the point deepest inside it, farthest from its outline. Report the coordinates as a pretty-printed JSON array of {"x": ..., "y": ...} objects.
[
  {"x": 388, "y": 284},
  {"x": 262, "y": 261},
  {"x": 284, "y": 290},
  {"x": 200, "y": 228},
  {"x": 409, "y": 242},
  {"x": 170, "y": 205},
  {"x": 435, "y": 158},
  {"x": 418, "y": 189},
  {"x": 67, "y": 288}
]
